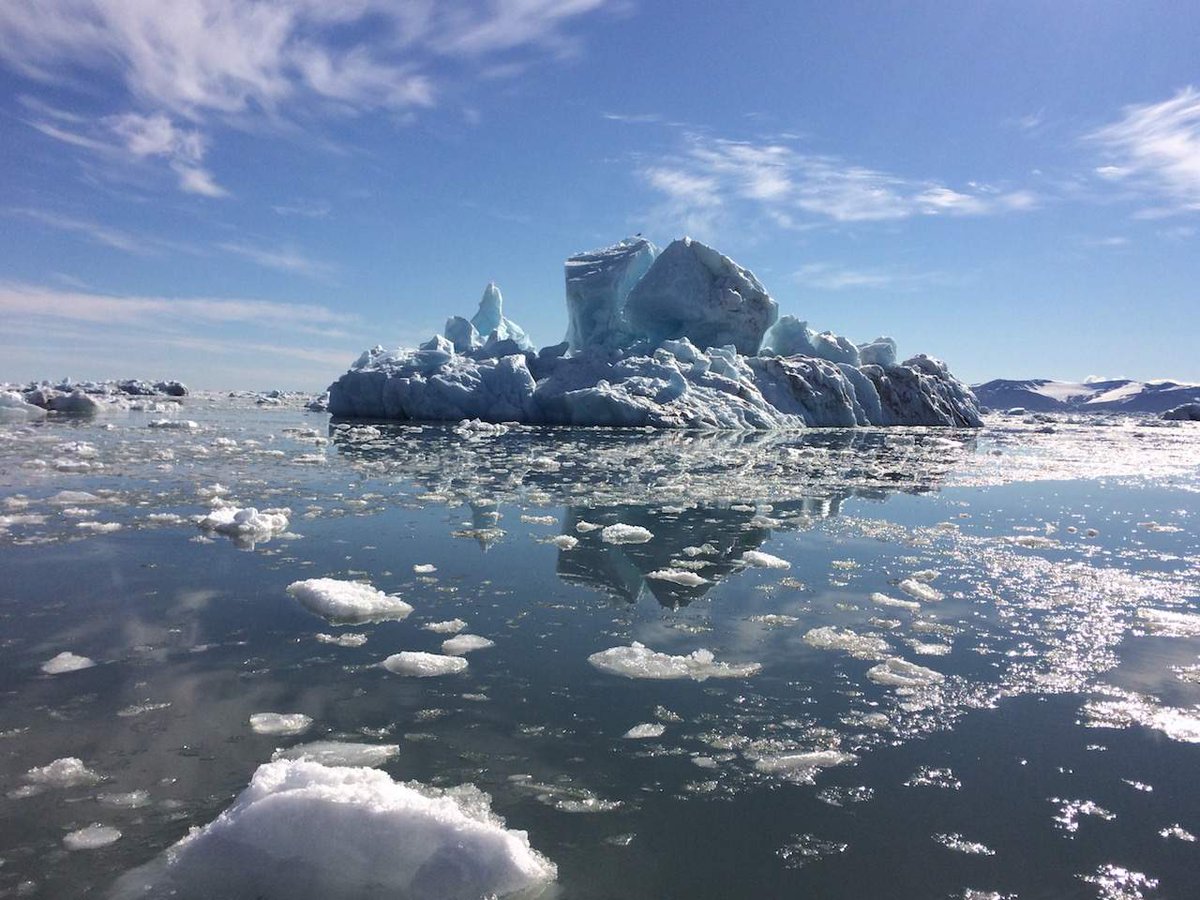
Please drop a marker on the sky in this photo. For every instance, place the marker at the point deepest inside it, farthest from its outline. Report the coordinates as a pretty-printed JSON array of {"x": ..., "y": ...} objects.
[{"x": 247, "y": 193}]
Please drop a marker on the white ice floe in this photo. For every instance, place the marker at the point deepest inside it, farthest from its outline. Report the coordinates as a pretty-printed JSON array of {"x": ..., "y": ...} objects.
[
  {"x": 678, "y": 576},
  {"x": 450, "y": 626},
  {"x": 349, "y": 639},
  {"x": 245, "y": 525},
  {"x": 802, "y": 767},
  {"x": 885, "y": 600},
  {"x": 860, "y": 646},
  {"x": 761, "y": 560},
  {"x": 466, "y": 643},
  {"x": 67, "y": 772},
  {"x": 348, "y": 601},
  {"x": 340, "y": 753},
  {"x": 304, "y": 831},
  {"x": 960, "y": 844},
  {"x": 896, "y": 672},
  {"x": 92, "y": 837},
  {"x": 1169, "y": 623},
  {"x": 280, "y": 723},
  {"x": 620, "y": 533},
  {"x": 424, "y": 568},
  {"x": 1127, "y": 709},
  {"x": 66, "y": 662},
  {"x": 639, "y": 661},
  {"x": 423, "y": 665},
  {"x": 919, "y": 590},
  {"x": 563, "y": 541},
  {"x": 127, "y": 800},
  {"x": 645, "y": 730},
  {"x": 175, "y": 424}
]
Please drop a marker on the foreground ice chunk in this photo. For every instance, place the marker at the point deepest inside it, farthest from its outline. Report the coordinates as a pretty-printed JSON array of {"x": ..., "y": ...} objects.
[
  {"x": 620, "y": 533},
  {"x": 639, "y": 661},
  {"x": 423, "y": 665},
  {"x": 280, "y": 723},
  {"x": 66, "y": 662},
  {"x": 645, "y": 730},
  {"x": 693, "y": 291},
  {"x": 896, "y": 672},
  {"x": 303, "y": 831},
  {"x": 761, "y": 560},
  {"x": 598, "y": 284},
  {"x": 340, "y": 753},
  {"x": 69, "y": 771},
  {"x": 92, "y": 837},
  {"x": 860, "y": 646},
  {"x": 465, "y": 643},
  {"x": 13, "y": 408},
  {"x": 246, "y": 525},
  {"x": 802, "y": 766},
  {"x": 682, "y": 577},
  {"x": 348, "y": 601}
]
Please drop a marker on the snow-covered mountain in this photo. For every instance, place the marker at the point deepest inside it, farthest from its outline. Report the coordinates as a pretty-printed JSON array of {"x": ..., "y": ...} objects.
[{"x": 1117, "y": 395}]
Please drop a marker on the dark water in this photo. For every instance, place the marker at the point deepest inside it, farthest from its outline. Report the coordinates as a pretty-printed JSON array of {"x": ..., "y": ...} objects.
[{"x": 1061, "y": 686}]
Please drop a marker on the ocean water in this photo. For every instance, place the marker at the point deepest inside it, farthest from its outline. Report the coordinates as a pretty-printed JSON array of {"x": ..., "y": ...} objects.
[{"x": 962, "y": 664}]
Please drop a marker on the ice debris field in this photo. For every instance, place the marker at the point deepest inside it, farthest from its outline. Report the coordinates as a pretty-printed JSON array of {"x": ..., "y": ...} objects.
[{"x": 678, "y": 338}]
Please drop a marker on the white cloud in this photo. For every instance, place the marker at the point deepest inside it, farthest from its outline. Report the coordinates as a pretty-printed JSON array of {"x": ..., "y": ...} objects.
[
  {"x": 833, "y": 277},
  {"x": 158, "y": 136},
  {"x": 792, "y": 188},
  {"x": 101, "y": 234},
  {"x": 283, "y": 259},
  {"x": 1154, "y": 148}
]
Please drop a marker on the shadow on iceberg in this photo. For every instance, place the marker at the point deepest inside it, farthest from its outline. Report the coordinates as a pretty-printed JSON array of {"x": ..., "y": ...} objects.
[{"x": 633, "y": 357}]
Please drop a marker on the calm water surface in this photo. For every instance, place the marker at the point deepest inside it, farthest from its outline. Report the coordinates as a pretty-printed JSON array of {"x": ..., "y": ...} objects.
[{"x": 1046, "y": 575}]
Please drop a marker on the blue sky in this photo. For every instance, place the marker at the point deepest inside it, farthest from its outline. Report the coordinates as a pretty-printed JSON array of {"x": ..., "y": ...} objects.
[{"x": 246, "y": 194}]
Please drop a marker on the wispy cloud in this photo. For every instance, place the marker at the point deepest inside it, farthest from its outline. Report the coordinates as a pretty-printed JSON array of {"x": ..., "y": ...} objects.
[
  {"x": 101, "y": 234},
  {"x": 834, "y": 277},
  {"x": 1154, "y": 150},
  {"x": 308, "y": 209},
  {"x": 796, "y": 189},
  {"x": 281, "y": 259}
]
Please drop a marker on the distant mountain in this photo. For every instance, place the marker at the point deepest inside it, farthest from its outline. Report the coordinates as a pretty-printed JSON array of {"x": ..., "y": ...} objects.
[{"x": 1119, "y": 395}]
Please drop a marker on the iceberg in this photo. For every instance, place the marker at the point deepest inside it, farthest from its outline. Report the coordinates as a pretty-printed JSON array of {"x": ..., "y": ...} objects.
[
  {"x": 660, "y": 340},
  {"x": 302, "y": 830}
]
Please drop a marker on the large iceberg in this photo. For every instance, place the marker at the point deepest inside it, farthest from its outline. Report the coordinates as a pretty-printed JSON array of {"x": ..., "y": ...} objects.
[{"x": 665, "y": 340}]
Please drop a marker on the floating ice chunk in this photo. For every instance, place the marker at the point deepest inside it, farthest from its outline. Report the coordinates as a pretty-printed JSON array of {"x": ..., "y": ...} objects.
[
  {"x": 424, "y": 568},
  {"x": 1177, "y": 723},
  {"x": 539, "y": 520},
  {"x": 423, "y": 665},
  {"x": 693, "y": 291},
  {"x": 350, "y": 639},
  {"x": 620, "y": 533},
  {"x": 450, "y": 626},
  {"x": 340, "y": 753},
  {"x": 678, "y": 576},
  {"x": 92, "y": 837},
  {"x": 1069, "y": 812},
  {"x": 1169, "y": 623},
  {"x": 66, "y": 662},
  {"x": 563, "y": 541},
  {"x": 348, "y": 601},
  {"x": 960, "y": 844},
  {"x": 1117, "y": 883},
  {"x": 896, "y": 672},
  {"x": 128, "y": 800},
  {"x": 645, "y": 730},
  {"x": 75, "y": 498},
  {"x": 304, "y": 831},
  {"x": 13, "y": 408},
  {"x": 246, "y": 525},
  {"x": 175, "y": 424},
  {"x": 802, "y": 767},
  {"x": 860, "y": 646},
  {"x": 639, "y": 661},
  {"x": 803, "y": 849},
  {"x": 465, "y": 643},
  {"x": 69, "y": 771},
  {"x": 584, "y": 527},
  {"x": 920, "y": 590},
  {"x": 99, "y": 527},
  {"x": 1178, "y": 832},
  {"x": 885, "y": 600},
  {"x": 928, "y": 776},
  {"x": 761, "y": 560},
  {"x": 774, "y": 620},
  {"x": 280, "y": 723}
]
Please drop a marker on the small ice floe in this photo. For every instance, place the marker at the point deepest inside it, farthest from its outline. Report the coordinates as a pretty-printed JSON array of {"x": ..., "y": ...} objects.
[
  {"x": 310, "y": 832},
  {"x": 803, "y": 849},
  {"x": 66, "y": 662},
  {"x": 860, "y": 646},
  {"x": 99, "y": 527},
  {"x": 479, "y": 428},
  {"x": 566, "y": 798},
  {"x": 931, "y": 776},
  {"x": 1169, "y": 623},
  {"x": 702, "y": 550},
  {"x": 1031, "y": 541},
  {"x": 885, "y": 600},
  {"x": 340, "y": 753},
  {"x": 280, "y": 723},
  {"x": 774, "y": 620},
  {"x": 919, "y": 590},
  {"x": 423, "y": 665},
  {"x": 246, "y": 525},
  {"x": 66, "y": 772},
  {"x": 645, "y": 730},
  {"x": 896, "y": 672},
  {"x": 349, "y": 639},
  {"x": 681, "y": 577},
  {"x": 1116, "y": 883},
  {"x": 1178, "y": 832},
  {"x": 1127, "y": 709},
  {"x": 960, "y": 844},
  {"x": 802, "y": 768},
  {"x": 348, "y": 601},
  {"x": 424, "y": 568},
  {"x": 174, "y": 424},
  {"x": 620, "y": 533},
  {"x": 450, "y": 626},
  {"x": 539, "y": 520},
  {"x": 466, "y": 643},
  {"x": 563, "y": 541},
  {"x": 92, "y": 837},
  {"x": 584, "y": 527},
  {"x": 760, "y": 560},
  {"x": 127, "y": 800},
  {"x": 639, "y": 661},
  {"x": 1069, "y": 812},
  {"x": 841, "y": 795},
  {"x": 140, "y": 709},
  {"x": 1159, "y": 527}
]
